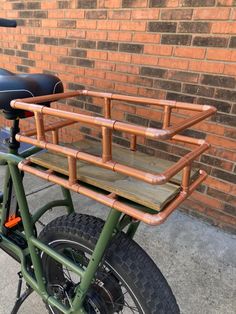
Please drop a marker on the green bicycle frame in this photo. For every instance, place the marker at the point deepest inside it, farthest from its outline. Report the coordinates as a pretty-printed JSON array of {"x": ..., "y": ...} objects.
[{"x": 32, "y": 254}]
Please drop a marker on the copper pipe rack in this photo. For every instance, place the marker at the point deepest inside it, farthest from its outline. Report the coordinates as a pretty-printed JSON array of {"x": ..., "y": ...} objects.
[{"x": 37, "y": 137}]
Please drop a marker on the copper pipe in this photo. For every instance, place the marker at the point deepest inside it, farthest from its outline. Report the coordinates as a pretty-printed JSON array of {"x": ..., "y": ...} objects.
[
  {"x": 47, "y": 98},
  {"x": 142, "y": 131},
  {"x": 39, "y": 126},
  {"x": 55, "y": 148},
  {"x": 106, "y": 144},
  {"x": 106, "y": 134},
  {"x": 151, "y": 219},
  {"x": 186, "y": 178},
  {"x": 167, "y": 114},
  {"x": 150, "y": 178},
  {"x": 196, "y": 183},
  {"x": 50, "y": 127},
  {"x": 111, "y": 165},
  {"x": 112, "y": 195},
  {"x": 191, "y": 121},
  {"x": 108, "y": 125},
  {"x": 55, "y": 137},
  {"x": 119, "y": 126},
  {"x": 144, "y": 100},
  {"x": 153, "y": 101},
  {"x": 184, "y": 161},
  {"x": 111, "y": 124},
  {"x": 133, "y": 142},
  {"x": 188, "y": 139},
  {"x": 72, "y": 170},
  {"x": 107, "y": 108},
  {"x": 171, "y": 104}
]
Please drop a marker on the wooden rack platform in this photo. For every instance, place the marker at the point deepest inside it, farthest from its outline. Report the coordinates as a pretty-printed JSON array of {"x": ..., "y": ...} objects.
[
  {"x": 126, "y": 179},
  {"x": 151, "y": 196}
]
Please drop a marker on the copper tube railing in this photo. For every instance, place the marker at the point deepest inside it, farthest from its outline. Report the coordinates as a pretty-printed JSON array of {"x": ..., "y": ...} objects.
[
  {"x": 151, "y": 219},
  {"x": 105, "y": 160}
]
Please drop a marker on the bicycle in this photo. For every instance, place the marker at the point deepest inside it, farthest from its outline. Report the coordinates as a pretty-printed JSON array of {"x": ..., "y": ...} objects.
[{"x": 80, "y": 263}]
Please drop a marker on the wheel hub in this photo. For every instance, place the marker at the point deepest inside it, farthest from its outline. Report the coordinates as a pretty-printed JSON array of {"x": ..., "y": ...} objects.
[{"x": 105, "y": 295}]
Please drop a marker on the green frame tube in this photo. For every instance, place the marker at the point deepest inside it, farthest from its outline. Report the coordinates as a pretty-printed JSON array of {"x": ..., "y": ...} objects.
[{"x": 112, "y": 225}]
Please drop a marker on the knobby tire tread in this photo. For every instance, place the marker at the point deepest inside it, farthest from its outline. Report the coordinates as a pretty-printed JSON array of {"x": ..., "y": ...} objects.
[{"x": 125, "y": 255}]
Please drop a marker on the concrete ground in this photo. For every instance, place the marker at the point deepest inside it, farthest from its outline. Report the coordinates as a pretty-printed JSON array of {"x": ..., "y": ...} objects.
[{"x": 198, "y": 260}]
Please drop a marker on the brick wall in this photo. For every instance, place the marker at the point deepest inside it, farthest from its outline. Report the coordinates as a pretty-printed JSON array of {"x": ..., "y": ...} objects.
[{"x": 169, "y": 49}]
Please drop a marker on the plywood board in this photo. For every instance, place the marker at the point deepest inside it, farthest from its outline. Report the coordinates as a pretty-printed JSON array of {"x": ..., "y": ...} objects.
[{"x": 151, "y": 196}]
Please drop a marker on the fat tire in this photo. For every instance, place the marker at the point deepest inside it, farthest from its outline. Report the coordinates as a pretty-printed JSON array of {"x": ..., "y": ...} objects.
[{"x": 128, "y": 259}]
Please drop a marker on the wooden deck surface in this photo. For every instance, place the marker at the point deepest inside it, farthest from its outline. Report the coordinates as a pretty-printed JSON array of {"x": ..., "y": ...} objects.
[{"x": 151, "y": 196}]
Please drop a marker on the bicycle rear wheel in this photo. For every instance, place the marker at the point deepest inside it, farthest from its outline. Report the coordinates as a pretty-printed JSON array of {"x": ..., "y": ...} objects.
[{"x": 128, "y": 281}]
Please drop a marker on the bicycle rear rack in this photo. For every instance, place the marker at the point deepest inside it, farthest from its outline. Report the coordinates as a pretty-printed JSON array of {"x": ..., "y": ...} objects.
[{"x": 37, "y": 137}]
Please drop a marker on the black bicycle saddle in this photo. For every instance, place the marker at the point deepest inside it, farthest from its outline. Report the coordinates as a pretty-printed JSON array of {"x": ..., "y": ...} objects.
[{"x": 14, "y": 86}]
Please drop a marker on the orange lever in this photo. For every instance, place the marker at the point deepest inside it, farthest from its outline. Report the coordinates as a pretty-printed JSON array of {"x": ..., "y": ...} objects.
[{"x": 13, "y": 222}]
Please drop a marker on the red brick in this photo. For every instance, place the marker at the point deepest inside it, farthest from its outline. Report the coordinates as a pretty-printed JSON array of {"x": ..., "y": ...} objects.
[
  {"x": 58, "y": 32},
  {"x": 204, "y": 66},
  {"x": 105, "y": 65},
  {"x": 59, "y": 50},
  {"x": 211, "y": 14},
  {"x": 225, "y": 3},
  {"x": 119, "y": 36},
  {"x": 234, "y": 14},
  {"x": 85, "y": 81},
  {"x": 172, "y": 3},
  {"x": 119, "y": 15},
  {"x": 220, "y": 185},
  {"x": 142, "y": 59},
  {"x": 221, "y": 54},
  {"x": 118, "y": 114},
  {"x": 211, "y": 128},
  {"x": 49, "y": 23},
  {"x": 146, "y": 14},
  {"x": 104, "y": 84},
  {"x": 109, "y": 25},
  {"x": 135, "y": 3},
  {"x": 193, "y": 206},
  {"x": 56, "y": 14},
  {"x": 116, "y": 77},
  {"x": 221, "y": 217},
  {"x": 209, "y": 201},
  {"x": 87, "y": 24},
  {"x": 224, "y": 28},
  {"x": 173, "y": 63},
  {"x": 146, "y": 38},
  {"x": 127, "y": 89},
  {"x": 223, "y": 153},
  {"x": 221, "y": 141},
  {"x": 120, "y": 106},
  {"x": 152, "y": 93},
  {"x": 94, "y": 54},
  {"x": 158, "y": 50},
  {"x": 132, "y": 69},
  {"x": 109, "y": 4},
  {"x": 189, "y": 52},
  {"x": 94, "y": 73},
  {"x": 133, "y": 26},
  {"x": 230, "y": 69},
  {"x": 176, "y": 14},
  {"x": 96, "y": 35},
  {"x": 74, "y": 14},
  {"x": 145, "y": 112},
  {"x": 119, "y": 57},
  {"x": 48, "y": 5}
]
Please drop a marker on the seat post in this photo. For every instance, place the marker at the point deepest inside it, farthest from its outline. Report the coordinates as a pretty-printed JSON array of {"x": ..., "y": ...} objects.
[{"x": 13, "y": 145}]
